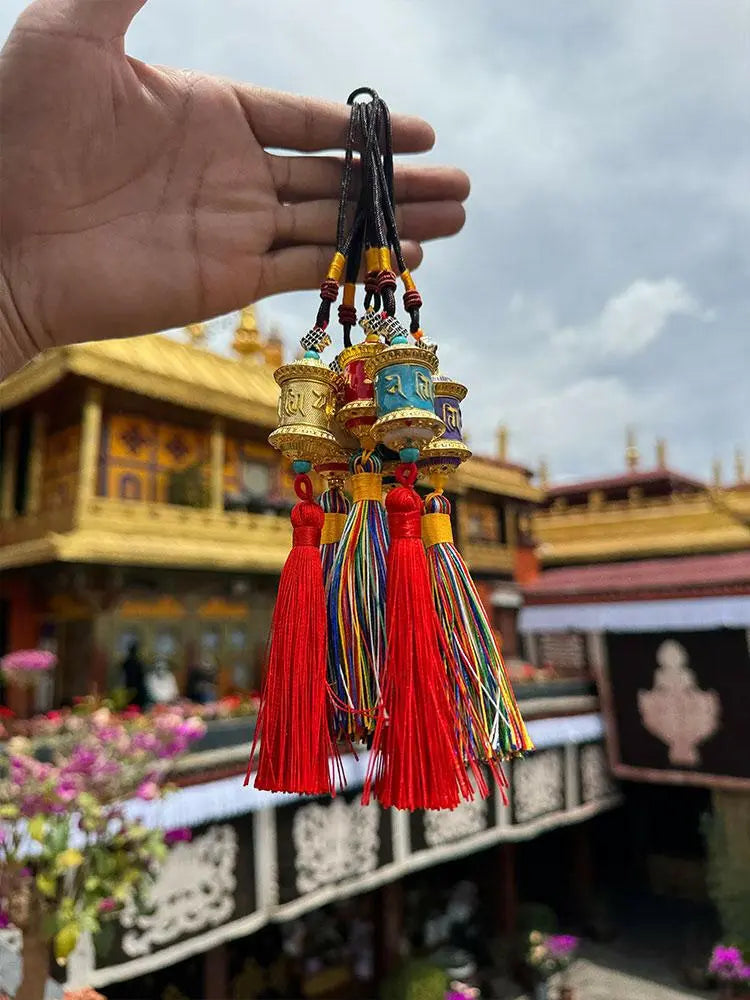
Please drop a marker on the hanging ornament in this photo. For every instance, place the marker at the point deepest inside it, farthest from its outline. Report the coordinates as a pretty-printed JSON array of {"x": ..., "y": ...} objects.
[
  {"x": 293, "y": 720},
  {"x": 377, "y": 635},
  {"x": 491, "y": 727}
]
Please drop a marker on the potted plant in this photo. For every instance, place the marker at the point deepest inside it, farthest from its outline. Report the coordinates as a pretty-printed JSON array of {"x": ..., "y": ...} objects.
[
  {"x": 70, "y": 857},
  {"x": 730, "y": 971},
  {"x": 546, "y": 955}
]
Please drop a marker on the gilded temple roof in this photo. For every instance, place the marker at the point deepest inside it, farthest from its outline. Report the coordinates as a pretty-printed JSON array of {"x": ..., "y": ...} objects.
[{"x": 161, "y": 368}]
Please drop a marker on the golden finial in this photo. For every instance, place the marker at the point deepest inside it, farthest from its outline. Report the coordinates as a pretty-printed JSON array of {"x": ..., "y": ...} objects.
[
  {"x": 661, "y": 453},
  {"x": 247, "y": 335},
  {"x": 196, "y": 333},
  {"x": 739, "y": 465},
  {"x": 273, "y": 349},
  {"x": 502, "y": 443},
  {"x": 632, "y": 455},
  {"x": 716, "y": 469},
  {"x": 543, "y": 474}
]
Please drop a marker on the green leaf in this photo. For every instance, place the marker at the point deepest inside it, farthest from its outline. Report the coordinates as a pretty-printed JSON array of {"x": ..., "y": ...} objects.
[
  {"x": 46, "y": 884},
  {"x": 91, "y": 884},
  {"x": 65, "y": 941},
  {"x": 37, "y": 828},
  {"x": 71, "y": 858}
]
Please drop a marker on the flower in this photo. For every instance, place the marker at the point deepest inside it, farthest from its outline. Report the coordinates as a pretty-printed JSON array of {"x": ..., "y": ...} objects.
[
  {"x": 107, "y": 905},
  {"x": 728, "y": 965},
  {"x": 147, "y": 791},
  {"x": 28, "y": 659},
  {"x": 180, "y": 834}
]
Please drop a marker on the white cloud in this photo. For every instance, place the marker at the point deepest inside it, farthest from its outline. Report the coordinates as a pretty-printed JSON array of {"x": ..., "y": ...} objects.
[{"x": 607, "y": 145}]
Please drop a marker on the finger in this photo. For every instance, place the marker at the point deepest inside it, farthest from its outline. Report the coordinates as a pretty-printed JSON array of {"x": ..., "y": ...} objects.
[
  {"x": 315, "y": 221},
  {"x": 301, "y": 178},
  {"x": 295, "y": 268},
  {"x": 105, "y": 19},
  {"x": 307, "y": 124}
]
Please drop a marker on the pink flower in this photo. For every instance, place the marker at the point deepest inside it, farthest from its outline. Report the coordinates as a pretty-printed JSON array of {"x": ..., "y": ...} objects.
[
  {"x": 148, "y": 790},
  {"x": 107, "y": 905},
  {"x": 28, "y": 659}
]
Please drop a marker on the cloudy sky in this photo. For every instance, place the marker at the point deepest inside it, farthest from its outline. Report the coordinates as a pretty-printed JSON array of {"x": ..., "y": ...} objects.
[{"x": 606, "y": 257}]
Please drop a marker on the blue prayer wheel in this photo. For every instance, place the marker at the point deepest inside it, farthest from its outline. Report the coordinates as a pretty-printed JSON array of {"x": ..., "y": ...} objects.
[
  {"x": 444, "y": 455},
  {"x": 405, "y": 398}
]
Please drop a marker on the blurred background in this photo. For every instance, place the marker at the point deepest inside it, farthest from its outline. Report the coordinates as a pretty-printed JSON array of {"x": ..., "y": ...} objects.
[{"x": 605, "y": 517}]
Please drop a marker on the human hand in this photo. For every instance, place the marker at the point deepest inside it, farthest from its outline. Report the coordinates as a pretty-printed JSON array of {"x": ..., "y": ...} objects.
[{"x": 136, "y": 198}]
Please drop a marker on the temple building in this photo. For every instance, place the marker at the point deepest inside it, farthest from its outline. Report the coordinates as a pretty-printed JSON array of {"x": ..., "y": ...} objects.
[
  {"x": 141, "y": 504},
  {"x": 645, "y": 583}
]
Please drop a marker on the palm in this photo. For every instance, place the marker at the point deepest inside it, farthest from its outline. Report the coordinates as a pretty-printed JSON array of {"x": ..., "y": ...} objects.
[{"x": 136, "y": 199}]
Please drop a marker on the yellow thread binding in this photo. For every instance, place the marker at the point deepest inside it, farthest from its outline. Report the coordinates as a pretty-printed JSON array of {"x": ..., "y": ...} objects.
[
  {"x": 384, "y": 259},
  {"x": 333, "y": 527},
  {"x": 349, "y": 290},
  {"x": 336, "y": 269},
  {"x": 436, "y": 528},
  {"x": 367, "y": 486},
  {"x": 408, "y": 280},
  {"x": 372, "y": 259}
]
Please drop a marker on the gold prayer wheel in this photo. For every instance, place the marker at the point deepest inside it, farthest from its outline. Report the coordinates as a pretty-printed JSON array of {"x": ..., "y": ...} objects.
[
  {"x": 306, "y": 406},
  {"x": 444, "y": 455}
]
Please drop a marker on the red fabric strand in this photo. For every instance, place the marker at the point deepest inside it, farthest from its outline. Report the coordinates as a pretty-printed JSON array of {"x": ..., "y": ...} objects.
[
  {"x": 416, "y": 762},
  {"x": 292, "y": 727},
  {"x": 404, "y": 525}
]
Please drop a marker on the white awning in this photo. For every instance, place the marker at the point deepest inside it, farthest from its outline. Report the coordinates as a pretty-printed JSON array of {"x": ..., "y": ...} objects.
[
  {"x": 506, "y": 597},
  {"x": 702, "y": 613}
]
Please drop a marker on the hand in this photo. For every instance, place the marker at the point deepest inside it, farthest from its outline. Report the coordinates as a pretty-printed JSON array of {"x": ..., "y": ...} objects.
[{"x": 135, "y": 199}]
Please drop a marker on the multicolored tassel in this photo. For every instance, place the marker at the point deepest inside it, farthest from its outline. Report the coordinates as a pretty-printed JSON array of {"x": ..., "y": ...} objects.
[
  {"x": 335, "y": 506},
  {"x": 416, "y": 760},
  {"x": 356, "y": 605},
  {"x": 490, "y": 725}
]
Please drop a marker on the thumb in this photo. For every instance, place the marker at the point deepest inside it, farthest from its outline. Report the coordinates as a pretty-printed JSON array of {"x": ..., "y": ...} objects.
[{"x": 105, "y": 19}]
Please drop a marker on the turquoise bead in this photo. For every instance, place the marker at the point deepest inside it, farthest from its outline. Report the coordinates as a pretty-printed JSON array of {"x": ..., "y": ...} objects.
[
  {"x": 409, "y": 455},
  {"x": 312, "y": 354},
  {"x": 301, "y": 468}
]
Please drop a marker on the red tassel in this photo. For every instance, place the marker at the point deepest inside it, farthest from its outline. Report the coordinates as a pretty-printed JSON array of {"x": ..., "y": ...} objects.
[
  {"x": 292, "y": 726},
  {"x": 416, "y": 762}
]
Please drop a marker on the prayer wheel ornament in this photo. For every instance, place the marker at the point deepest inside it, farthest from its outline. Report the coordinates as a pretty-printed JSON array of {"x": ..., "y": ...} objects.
[
  {"x": 357, "y": 412},
  {"x": 306, "y": 406},
  {"x": 405, "y": 398},
  {"x": 445, "y": 454},
  {"x": 379, "y": 634}
]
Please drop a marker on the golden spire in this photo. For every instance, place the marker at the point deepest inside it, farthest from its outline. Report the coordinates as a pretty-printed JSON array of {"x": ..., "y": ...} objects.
[
  {"x": 543, "y": 474},
  {"x": 632, "y": 455},
  {"x": 739, "y": 465},
  {"x": 247, "y": 335},
  {"x": 716, "y": 470},
  {"x": 661, "y": 453},
  {"x": 502, "y": 443},
  {"x": 196, "y": 333},
  {"x": 273, "y": 349}
]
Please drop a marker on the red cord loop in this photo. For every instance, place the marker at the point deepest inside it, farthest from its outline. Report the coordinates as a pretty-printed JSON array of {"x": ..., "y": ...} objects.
[
  {"x": 303, "y": 487},
  {"x": 407, "y": 473}
]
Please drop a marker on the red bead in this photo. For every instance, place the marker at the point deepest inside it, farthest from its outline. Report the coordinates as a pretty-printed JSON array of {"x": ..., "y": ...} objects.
[
  {"x": 412, "y": 300},
  {"x": 386, "y": 279},
  {"x": 347, "y": 315},
  {"x": 329, "y": 290}
]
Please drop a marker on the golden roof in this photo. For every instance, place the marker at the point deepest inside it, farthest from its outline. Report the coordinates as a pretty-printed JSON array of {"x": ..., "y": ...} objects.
[{"x": 158, "y": 367}]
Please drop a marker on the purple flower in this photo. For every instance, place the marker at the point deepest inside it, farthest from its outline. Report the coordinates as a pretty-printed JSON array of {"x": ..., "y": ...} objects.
[
  {"x": 183, "y": 833},
  {"x": 727, "y": 963},
  {"x": 4, "y": 920},
  {"x": 562, "y": 945}
]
